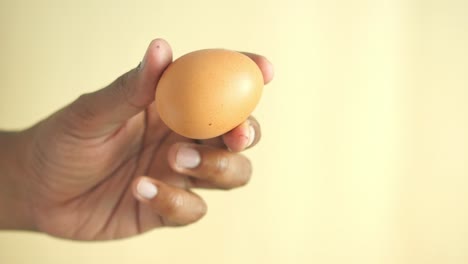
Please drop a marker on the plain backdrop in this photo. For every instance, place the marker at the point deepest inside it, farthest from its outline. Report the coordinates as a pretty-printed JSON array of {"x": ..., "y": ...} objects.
[{"x": 364, "y": 156}]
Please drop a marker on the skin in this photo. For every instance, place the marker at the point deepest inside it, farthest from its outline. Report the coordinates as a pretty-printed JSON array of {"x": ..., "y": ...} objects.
[{"x": 74, "y": 175}]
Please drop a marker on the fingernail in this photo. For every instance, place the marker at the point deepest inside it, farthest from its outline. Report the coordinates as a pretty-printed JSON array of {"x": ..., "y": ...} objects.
[
  {"x": 147, "y": 189},
  {"x": 251, "y": 136},
  {"x": 187, "y": 158}
]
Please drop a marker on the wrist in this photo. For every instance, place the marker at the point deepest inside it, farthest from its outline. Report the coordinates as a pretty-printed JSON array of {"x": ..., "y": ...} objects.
[{"x": 15, "y": 206}]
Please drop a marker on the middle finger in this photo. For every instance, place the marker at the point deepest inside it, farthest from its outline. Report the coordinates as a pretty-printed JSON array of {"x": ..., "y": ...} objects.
[{"x": 209, "y": 166}]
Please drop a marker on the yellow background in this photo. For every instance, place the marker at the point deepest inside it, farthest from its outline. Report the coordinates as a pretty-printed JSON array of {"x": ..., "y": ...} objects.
[{"x": 364, "y": 156}]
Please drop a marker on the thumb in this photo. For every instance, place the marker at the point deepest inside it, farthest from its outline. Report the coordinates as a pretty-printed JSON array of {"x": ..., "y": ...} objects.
[{"x": 102, "y": 112}]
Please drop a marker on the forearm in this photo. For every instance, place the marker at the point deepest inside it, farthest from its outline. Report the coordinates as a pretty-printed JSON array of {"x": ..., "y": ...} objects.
[{"x": 15, "y": 211}]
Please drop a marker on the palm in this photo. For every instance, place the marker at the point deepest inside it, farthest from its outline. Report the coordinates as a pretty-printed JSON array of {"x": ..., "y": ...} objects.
[{"x": 92, "y": 200}]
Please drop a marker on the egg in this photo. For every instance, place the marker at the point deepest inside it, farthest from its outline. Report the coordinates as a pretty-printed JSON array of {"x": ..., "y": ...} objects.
[{"x": 206, "y": 93}]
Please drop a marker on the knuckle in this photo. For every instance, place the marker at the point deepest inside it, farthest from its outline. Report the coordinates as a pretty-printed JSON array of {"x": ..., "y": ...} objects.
[
  {"x": 79, "y": 114},
  {"x": 175, "y": 204},
  {"x": 123, "y": 85},
  {"x": 81, "y": 109},
  {"x": 219, "y": 173},
  {"x": 127, "y": 90},
  {"x": 214, "y": 167},
  {"x": 180, "y": 211},
  {"x": 230, "y": 171},
  {"x": 221, "y": 165},
  {"x": 123, "y": 89}
]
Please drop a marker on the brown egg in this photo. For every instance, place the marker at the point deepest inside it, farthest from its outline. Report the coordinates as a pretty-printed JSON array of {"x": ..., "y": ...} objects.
[{"x": 206, "y": 93}]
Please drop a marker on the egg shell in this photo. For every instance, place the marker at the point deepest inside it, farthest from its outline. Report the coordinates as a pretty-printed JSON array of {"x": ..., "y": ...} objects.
[{"x": 206, "y": 93}]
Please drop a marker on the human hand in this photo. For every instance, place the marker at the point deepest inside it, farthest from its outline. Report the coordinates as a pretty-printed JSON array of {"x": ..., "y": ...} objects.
[{"x": 106, "y": 167}]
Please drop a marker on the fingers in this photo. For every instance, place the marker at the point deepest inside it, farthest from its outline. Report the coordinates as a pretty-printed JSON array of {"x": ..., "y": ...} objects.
[
  {"x": 174, "y": 205},
  {"x": 106, "y": 109},
  {"x": 209, "y": 167},
  {"x": 244, "y": 136},
  {"x": 265, "y": 66}
]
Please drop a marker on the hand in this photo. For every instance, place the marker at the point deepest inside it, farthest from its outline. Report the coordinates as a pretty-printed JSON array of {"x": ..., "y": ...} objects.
[{"x": 106, "y": 167}]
